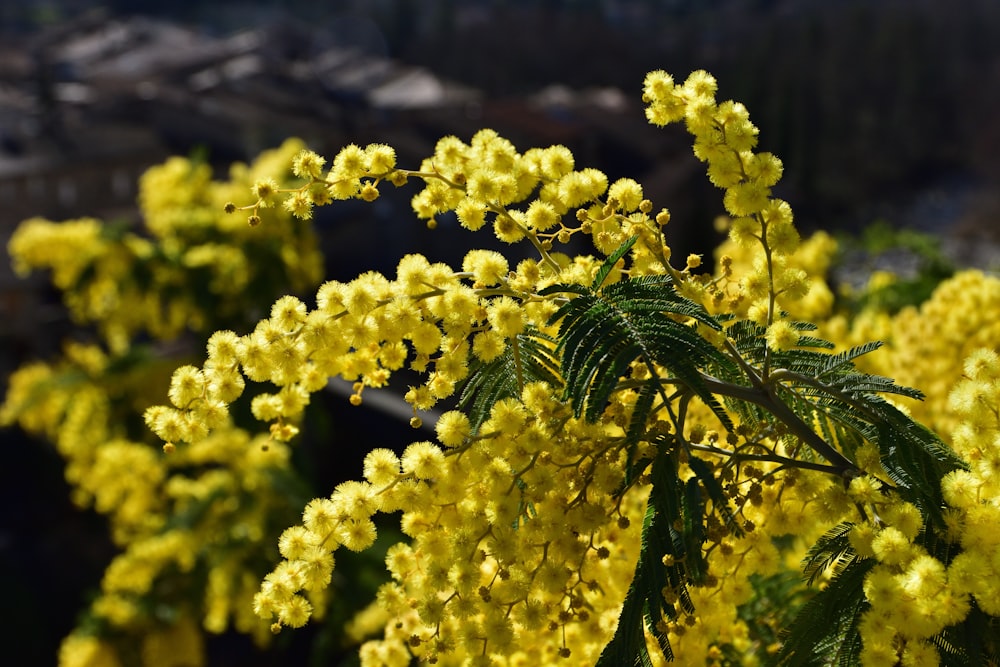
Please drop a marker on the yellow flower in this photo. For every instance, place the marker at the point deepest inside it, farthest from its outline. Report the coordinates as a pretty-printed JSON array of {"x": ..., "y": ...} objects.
[
  {"x": 357, "y": 534},
  {"x": 555, "y": 162},
  {"x": 223, "y": 348},
  {"x": 920, "y": 654},
  {"x": 78, "y": 650},
  {"x": 294, "y": 612},
  {"x": 507, "y": 416},
  {"x": 487, "y": 267},
  {"x": 423, "y": 460},
  {"x": 781, "y": 335},
  {"x": 381, "y": 158},
  {"x": 453, "y": 428},
  {"x": 307, "y": 164},
  {"x": 320, "y": 516},
  {"x": 186, "y": 386},
  {"x": 541, "y": 216},
  {"x": 891, "y": 547},
  {"x": 381, "y": 466},
  {"x": 627, "y": 193},
  {"x": 471, "y": 213},
  {"x": 745, "y": 199},
  {"x": 865, "y": 489},
  {"x": 350, "y": 163},
  {"x": 264, "y": 190},
  {"x": 288, "y": 313},
  {"x": 488, "y": 345},
  {"x": 300, "y": 204},
  {"x": 506, "y": 316}
]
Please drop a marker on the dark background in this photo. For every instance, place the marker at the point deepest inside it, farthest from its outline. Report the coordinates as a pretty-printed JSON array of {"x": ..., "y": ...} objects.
[{"x": 879, "y": 110}]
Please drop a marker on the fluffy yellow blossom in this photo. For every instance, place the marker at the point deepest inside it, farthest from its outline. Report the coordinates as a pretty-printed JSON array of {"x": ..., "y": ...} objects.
[
  {"x": 781, "y": 335},
  {"x": 525, "y": 523},
  {"x": 506, "y": 316}
]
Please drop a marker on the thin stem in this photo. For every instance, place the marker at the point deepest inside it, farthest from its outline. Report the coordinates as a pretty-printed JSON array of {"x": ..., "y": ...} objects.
[
  {"x": 773, "y": 458},
  {"x": 766, "y": 397},
  {"x": 771, "y": 293},
  {"x": 785, "y": 374}
]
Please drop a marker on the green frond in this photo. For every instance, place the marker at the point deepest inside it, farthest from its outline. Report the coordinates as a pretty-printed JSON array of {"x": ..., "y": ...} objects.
[
  {"x": 974, "y": 641},
  {"x": 638, "y": 422},
  {"x": 748, "y": 339},
  {"x": 836, "y": 362},
  {"x": 804, "y": 362},
  {"x": 831, "y": 547},
  {"x": 644, "y": 604},
  {"x": 827, "y": 624},
  {"x": 532, "y": 360},
  {"x": 720, "y": 502},
  {"x": 628, "y": 645},
  {"x": 655, "y": 294},
  {"x": 864, "y": 383},
  {"x": 913, "y": 457},
  {"x": 813, "y": 341},
  {"x": 694, "y": 535},
  {"x": 609, "y": 263},
  {"x": 603, "y": 332}
]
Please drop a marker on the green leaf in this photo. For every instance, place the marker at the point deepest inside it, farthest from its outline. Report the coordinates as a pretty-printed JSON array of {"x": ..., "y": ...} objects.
[
  {"x": 974, "y": 641},
  {"x": 528, "y": 358},
  {"x": 836, "y": 362},
  {"x": 644, "y": 602},
  {"x": 829, "y": 548},
  {"x": 602, "y": 333},
  {"x": 720, "y": 502},
  {"x": 609, "y": 263},
  {"x": 827, "y": 625},
  {"x": 636, "y": 430}
]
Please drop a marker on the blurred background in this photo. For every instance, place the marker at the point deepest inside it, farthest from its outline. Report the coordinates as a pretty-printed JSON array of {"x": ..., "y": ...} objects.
[{"x": 881, "y": 111}]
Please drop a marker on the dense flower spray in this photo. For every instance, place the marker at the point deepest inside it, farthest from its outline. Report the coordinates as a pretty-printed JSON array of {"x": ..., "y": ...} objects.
[{"x": 636, "y": 460}]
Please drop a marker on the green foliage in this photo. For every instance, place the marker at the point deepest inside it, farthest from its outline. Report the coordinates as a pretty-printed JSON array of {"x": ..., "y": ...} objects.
[
  {"x": 880, "y": 240},
  {"x": 528, "y": 359},
  {"x": 605, "y": 330},
  {"x": 825, "y": 630},
  {"x": 645, "y": 605}
]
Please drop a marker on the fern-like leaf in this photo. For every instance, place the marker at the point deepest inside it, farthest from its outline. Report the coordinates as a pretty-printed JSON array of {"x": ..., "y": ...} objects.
[
  {"x": 829, "y": 621},
  {"x": 528, "y": 358},
  {"x": 644, "y": 604},
  {"x": 602, "y": 332},
  {"x": 829, "y": 548},
  {"x": 836, "y": 362}
]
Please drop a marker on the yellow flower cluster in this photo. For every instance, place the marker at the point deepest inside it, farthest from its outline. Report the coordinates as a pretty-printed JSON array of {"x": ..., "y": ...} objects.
[
  {"x": 517, "y": 546},
  {"x": 178, "y": 645},
  {"x": 724, "y": 138},
  {"x": 812, "y": 257},
  {"x": 69, "y": 403},
  {"x": 186, "y": 268},
  {"x": 469, "y": 584},
  {"x": 523, "y": 523},
  {"x": 150, "y": 500},
  {"x": 926, "y": 345},
  {"x": 430, "y": 316},
  {"x": 461, "y": 498},
  {"x": 914, "y": 595},
  {"x": 911, "y": 594},
  {"x": 973, "y": 495},
  {"x": 202, "y": 512}
]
